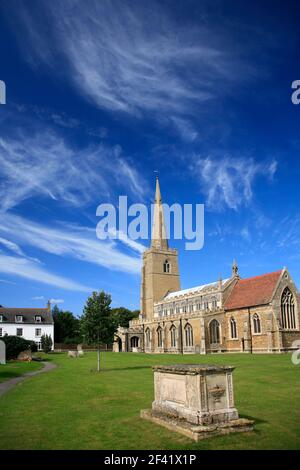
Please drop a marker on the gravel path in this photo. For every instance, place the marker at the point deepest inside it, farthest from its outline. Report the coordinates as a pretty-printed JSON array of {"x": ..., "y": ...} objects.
[{"x": 6, "y": 386}]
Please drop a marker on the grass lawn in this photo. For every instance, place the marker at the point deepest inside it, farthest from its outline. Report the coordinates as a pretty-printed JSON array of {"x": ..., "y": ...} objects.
[
  {"x": 15, "y": 369},
  {"x": 73, "y": 407}
]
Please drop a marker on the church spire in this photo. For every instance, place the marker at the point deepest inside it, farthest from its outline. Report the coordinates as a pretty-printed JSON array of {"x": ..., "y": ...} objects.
[{"x": 159, "y": 238}]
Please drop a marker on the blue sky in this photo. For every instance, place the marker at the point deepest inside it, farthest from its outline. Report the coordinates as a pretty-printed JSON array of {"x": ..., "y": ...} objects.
[{"x": 102, "y": 94}]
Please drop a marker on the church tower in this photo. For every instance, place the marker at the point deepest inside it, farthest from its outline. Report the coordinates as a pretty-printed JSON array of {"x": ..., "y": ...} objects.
[{"x": 160, "y": 273}]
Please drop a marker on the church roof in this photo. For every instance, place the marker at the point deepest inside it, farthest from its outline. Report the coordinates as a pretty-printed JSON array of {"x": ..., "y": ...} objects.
[
  {"x": 194, "y": 290},
  {"x": 253, "y": 291}
]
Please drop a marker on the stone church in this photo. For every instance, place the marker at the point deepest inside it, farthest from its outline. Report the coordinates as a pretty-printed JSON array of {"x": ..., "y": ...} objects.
[{"x": 258, "y": 314}]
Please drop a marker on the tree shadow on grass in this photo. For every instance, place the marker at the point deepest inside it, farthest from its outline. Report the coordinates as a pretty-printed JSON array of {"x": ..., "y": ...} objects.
[
  {"x": 113, "y": 369},
  {"x": 10, "y": 375}
]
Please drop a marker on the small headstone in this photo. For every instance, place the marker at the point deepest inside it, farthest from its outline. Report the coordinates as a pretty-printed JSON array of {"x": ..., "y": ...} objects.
[
  {"x": 79, "y": 347},
  {"x": 72, "y": 354},
  {"x": 2, "y": 352},
  {"x": 25, "y": 356}
]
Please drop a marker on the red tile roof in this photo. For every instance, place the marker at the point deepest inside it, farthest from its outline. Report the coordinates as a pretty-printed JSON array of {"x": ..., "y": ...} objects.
[{"x": 252, "y": 291}]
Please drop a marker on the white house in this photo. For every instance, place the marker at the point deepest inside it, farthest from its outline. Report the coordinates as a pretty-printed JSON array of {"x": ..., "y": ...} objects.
[{"x": 29, "y": 323}]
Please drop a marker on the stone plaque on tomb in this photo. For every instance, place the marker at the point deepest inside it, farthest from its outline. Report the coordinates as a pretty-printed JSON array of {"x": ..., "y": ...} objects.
[
  {"x": 196, "y": 400},
  {"x": 2, "y": 352}
]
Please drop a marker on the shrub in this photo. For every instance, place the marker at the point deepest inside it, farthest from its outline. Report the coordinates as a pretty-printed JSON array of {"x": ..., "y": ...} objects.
[
  {"x": 46, "y": 342},
  {"x": 15, "y": 345}
]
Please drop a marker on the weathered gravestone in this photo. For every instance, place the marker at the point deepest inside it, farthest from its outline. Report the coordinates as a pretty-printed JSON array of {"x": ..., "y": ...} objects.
[
  {"x": 72, "y": 354},
  {"x": 25, "y": 356},
  {"x": 196, "y": 400},
  {"x": 2, "y": 352}
]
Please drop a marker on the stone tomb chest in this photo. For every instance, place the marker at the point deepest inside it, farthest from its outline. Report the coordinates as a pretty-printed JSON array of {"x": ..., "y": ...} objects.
[{"x": 196, "y": 400}]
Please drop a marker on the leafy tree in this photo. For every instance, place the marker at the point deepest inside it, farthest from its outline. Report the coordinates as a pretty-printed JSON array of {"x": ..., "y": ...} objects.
[
  {"x": 97, "y": 324},
  {"x": 46, "y": 342},
  {"x": 15, "y": 345},
  {"x": 123, "y": 316},
  {"x": 66, "y": 326}
]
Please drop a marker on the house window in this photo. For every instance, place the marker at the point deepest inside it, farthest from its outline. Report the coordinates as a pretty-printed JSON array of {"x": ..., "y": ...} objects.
[
  {"x": 147, "y": 337},
  {"x": 177, "y": 310},
  {"x": 191, "y": 308},
  {"x": 0, "y": 331},
  {"x": 233, "y": 329},
  {"x": 173, "y": 336},
  {"x": 166, "y": 266},
  {"x": 205, "y": 305},
  {"x": 39, "y": 345},
  {"x": 38, "y": 332},
  {"x": 214, "y": 303},
  {"x": 214, "y": 332},
  {"x": 171, "y": 311},
  {"x": 19, "y": 331},
  {"x": 188, "y": 335},
  {"x": 256, "y": 324},
  {"x": 38, "y": 319},
  {"x": 159, "y": 337},
  {"x": 19, "y": 318},
  {"x": 288, "y": 319},
  {"x": 184, "y": 309}
]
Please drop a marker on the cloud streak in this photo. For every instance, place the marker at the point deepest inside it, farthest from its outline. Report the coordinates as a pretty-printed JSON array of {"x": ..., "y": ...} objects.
[
  {"x": 27, "y": 269},
  {"x": 75, "y": 242},
  {"x": 45, "y": 165},
  {"x": 228, "y": 182},
  {"x": 133, "y": 58}
]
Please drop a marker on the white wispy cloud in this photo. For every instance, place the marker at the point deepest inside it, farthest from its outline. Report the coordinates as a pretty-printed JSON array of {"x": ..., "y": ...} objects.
[
  {"x": 27, "y": 269},
  {"x": 73, "y": 242},
  {"x": 11, "y": 246},
  {"x": 133, "y": 58},
  {"x": 57, "y": 301},
  {"x": 228, "y": 181},
  {"x": 38, "y": 297},
  {"x": 46, "y": 165}
]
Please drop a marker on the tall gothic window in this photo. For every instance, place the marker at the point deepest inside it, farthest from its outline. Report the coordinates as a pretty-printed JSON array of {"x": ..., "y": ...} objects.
[
  {"x": 134, "y": 342},
  {"x": 256, "y": 324},
  {"x": 214, "y": 332},
  {"x": 233, "y": 329},
  {"x": 147, "y": 337},
  {"x": 166, "y": 266},
  {"x": 288, "y": 318},
  {"x": 159, "y": 337},
  {"x": 188, "y": 335},
  {"x": 173, "y": 332}
]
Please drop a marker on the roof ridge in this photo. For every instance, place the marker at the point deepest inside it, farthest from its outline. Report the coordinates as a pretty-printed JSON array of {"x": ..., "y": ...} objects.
[{"x": 261, "y": 275}]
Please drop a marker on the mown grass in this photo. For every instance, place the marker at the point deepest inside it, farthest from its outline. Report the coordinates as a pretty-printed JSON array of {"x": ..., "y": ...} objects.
[
  {"x": 14, "y": 369},
  {"x": 74, "y": 407}
]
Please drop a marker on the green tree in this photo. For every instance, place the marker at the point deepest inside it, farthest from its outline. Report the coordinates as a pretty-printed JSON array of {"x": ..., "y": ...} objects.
[
  {"x": 97, "y": 323},
  {"x": 123, "y": 315},
  {"x": 66, "y": 326},
  {"x": 46, "y": 342}
]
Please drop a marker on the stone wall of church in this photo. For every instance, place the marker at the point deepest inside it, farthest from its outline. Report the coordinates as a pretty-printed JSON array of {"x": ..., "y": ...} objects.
[{"x": 266, "y": 340}]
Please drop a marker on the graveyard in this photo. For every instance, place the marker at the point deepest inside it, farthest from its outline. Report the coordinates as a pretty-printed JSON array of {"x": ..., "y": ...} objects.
[{"x": 74, "y": 407}]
